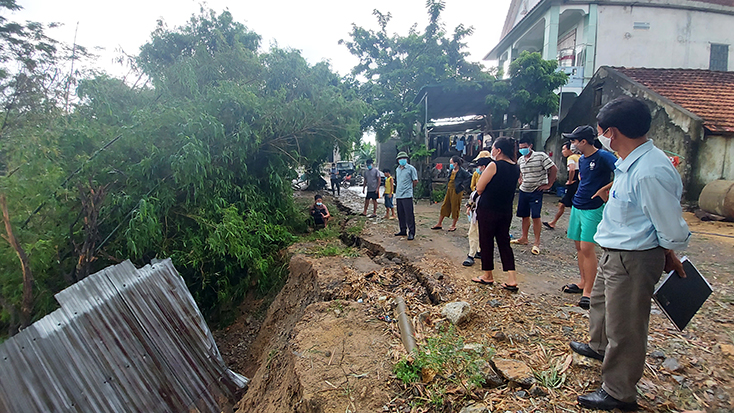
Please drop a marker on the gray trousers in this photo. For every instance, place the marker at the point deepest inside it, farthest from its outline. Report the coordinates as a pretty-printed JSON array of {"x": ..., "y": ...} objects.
[{"x": 620, "y": 315}]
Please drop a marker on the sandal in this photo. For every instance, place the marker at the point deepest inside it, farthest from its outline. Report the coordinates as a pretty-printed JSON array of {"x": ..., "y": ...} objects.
[
  {"x": 585, "y": 303},
  {"x": 547, "y": 225},
  {"x": 468, "y": 262},
  {"x": 535, "y": 250},
  {"x": 511, "y": 288},
  {"x": 517, "y": 242},
  {"x": 437, "y": 227},
  {"x": 481, "y": 281},
  {"x": 451, "y": 229},
  {"x": 572, "y": 289}
]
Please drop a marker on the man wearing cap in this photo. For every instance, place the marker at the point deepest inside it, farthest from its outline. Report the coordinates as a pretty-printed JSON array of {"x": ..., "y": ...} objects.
[
  {"x": 596, "y": 167},
  {"x": 406, "y": 178},
  {"x": 642, "y": 223}
]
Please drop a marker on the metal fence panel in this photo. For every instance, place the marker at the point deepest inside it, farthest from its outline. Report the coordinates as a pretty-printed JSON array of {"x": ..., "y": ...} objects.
[{"x": 124, "y": 339}]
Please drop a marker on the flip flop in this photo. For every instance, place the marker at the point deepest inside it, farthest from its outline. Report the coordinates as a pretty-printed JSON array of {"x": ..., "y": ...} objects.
[
  {"x": 437, "y": 227},
  {"x": 481, "y": 281},
  {"x": 547, "y": 225},
  {"x": 572, "y": 289},
  {"x": 585, "y": 303},
  {"x": 535, "y": 250},
  {"x": 451, "y": 229},
  {"x": 511, "y": 288},
  {"x": 517, "y": 242}
]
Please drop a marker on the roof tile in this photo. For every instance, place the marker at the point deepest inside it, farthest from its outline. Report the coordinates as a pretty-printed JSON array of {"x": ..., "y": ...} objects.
[{"x": 707, "y": 93}]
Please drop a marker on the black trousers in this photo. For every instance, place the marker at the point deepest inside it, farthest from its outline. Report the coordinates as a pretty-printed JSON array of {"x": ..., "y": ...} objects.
[
  {"x": 335, "y": 189},
  {"x": 495, "y": 226},
  {"x": 406, "y": 217}
]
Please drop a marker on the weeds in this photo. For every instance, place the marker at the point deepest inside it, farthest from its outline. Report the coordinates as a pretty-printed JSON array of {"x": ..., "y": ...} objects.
[
  {"x": 334, "y": 250},
  {"x": 442, "y": 361}
]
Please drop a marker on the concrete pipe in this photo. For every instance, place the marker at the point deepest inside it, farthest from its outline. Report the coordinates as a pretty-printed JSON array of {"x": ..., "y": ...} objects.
[{"x": 717, "y": 198}]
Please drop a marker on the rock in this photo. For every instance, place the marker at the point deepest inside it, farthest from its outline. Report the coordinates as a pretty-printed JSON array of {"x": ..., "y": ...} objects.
[
  {"x": 475, "y": 408},
  {"x": 490, "y": 376},
  {"x": 672, "y": 365},
  {"x": 679, "y": 379},
  {"x": 710, "y": 383},
  {"x": 537, "y": 391},
  {"x": 500, "y": 336},
  {"x": 473, "y": 347},
  {"x": 655, "y": 311},
  {"x": 438, "y": 276},
  {"x": 457, "y": 312},
  {"x": 521, "y": 394},
  {"x": 495, "y": 303},
  {"x": 567, "y": 329},
  {"x": 727, "y": 350},
  {"x": 515, "y": 372},
  {"x": 657, "y": 354}
]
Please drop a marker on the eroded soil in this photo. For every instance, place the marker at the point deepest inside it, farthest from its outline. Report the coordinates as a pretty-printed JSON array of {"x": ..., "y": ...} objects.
[{"x": 328, "y": 342}]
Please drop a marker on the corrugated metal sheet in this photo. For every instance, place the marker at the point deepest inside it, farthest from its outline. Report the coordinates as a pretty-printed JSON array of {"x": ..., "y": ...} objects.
[{"x": 124, "y": 340}]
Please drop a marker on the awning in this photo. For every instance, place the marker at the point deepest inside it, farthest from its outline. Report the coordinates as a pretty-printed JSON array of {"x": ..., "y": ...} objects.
[{"x": 454, "y": 101}]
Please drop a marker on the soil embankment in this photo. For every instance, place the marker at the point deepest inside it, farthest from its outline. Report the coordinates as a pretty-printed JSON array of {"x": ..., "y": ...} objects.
[{"x": 328, "y": 344}]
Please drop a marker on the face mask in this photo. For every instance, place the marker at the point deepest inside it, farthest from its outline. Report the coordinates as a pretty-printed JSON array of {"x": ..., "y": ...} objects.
[
  {"x": 481, "y": 169},
  {"x": 573, "y": 148},
  {"x": 524, "y": 151},
  {"x": 369, "y": 167},
  {"x": 403, "y": 162},
  {"x": 451, "y": 166},
  {"x": 319, "y": 203},
  {"x": 605, "y": 142}
]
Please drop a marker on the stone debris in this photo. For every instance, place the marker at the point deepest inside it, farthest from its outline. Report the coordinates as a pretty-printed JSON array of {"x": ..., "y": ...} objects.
[
  {"x": 672, "y": 365},
  {"x": 457, "y": 312},
  {"x": 475, "y": 408},
  {"x": 516, "y": 372}
]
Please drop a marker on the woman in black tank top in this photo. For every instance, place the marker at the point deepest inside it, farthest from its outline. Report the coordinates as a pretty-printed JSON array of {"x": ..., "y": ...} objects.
[{"x": 494, "y": 211}]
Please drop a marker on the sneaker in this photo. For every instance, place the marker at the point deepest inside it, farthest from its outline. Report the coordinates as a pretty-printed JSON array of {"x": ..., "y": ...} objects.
[
  {"x": 468, "y": 262},
  {"x": 411, "y": 237},
  {"x": 400, "y": 234}
]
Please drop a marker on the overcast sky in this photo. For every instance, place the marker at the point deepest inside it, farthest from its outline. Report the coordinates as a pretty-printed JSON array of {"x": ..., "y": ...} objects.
[{"x": 313, "y": 27}]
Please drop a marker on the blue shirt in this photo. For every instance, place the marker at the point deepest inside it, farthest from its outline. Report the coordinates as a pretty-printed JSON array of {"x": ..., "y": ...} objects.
[
  {"x": 404, "y": 177},
  {"x": 595, "y": 171},
  {"x": 643, "y": 211}
]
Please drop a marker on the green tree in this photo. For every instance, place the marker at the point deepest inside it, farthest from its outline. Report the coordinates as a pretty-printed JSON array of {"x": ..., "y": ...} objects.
[
  {"x": 196, "y": 165},
  {"x": 393, "y": 69},
  {"x": 532, "y": 85}
]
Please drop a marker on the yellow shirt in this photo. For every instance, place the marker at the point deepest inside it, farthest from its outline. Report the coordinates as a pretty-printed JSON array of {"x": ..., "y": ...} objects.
[
  {"x": 389, "y": 186},
  {"x": 474, "y": 180}
]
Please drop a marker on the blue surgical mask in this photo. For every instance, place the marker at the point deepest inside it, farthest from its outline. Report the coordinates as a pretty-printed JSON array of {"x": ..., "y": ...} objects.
[
  {"x": 319, "y": 203},
  {"x": 403, "y": 162},
  {"x": 369, "y": 167},
  {"x": 451, "y": 166},
  {"x": 524, "y": 151}
]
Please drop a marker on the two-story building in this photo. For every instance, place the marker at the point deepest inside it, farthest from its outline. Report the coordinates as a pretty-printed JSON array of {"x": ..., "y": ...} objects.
[{"x": 584, "y": 35}]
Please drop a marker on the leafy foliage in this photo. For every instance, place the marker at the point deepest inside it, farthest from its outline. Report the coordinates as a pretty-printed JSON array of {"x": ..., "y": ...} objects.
[
  {"x": 197, "y": 166},
  {"x": 395, "y": 67},
  {"x": 532, "y": 85}
]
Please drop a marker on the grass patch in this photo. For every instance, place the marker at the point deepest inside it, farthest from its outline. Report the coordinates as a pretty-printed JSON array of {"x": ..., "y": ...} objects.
[
  {"x": 328, "y": 233},
  {"x": 443, "y": 363},
  {"x": 334, "y": 250}
]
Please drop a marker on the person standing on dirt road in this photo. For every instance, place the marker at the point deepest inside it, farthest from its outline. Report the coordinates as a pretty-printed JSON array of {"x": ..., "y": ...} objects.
[
  {"x": 537, "y": 174},
  {"x": 570, "y": 152},
  {"x": 334, "y": 178},
  {"x": 641, "y": 226},
  {"x": 372, "y": 185},
  {"x": 459, "y": 180},
  {"x": 596, "y": 167},
  {"x": 406, "y": 178},
  {"x": 494, "y": 211}
]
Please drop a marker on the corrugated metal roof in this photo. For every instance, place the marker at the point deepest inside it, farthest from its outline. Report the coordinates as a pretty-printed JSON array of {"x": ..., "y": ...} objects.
[{"x": 124, "y": 339}]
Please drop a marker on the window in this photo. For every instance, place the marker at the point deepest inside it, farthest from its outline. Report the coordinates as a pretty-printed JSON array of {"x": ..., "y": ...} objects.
[{"x": 719, "y": 57}]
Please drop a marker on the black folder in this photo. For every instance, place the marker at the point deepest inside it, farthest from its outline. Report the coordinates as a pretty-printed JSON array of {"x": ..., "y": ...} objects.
[{"x": 680, "y": 298}]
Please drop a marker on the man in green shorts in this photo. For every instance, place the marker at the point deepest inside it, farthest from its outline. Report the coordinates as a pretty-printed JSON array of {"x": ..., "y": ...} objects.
[{"x": 596, "y": 167}]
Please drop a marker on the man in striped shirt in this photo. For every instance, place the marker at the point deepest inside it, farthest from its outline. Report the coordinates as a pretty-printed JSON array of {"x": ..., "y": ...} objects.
[{"x": 537, "y": 174}]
